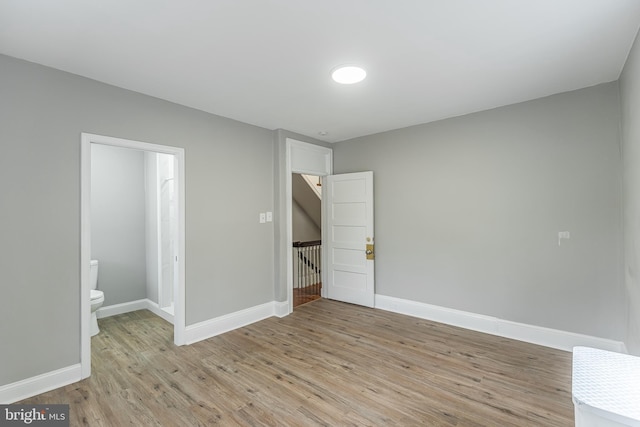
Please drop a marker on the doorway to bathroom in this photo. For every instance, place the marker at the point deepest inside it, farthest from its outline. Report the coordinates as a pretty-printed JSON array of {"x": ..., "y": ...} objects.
[
  {"x": 133, "y": 218},
  {"x": 133, "y": 229}
]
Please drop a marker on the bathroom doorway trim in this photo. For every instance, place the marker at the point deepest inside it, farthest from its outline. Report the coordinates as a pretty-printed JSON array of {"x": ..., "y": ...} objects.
[{"x": 87, "y": 139}]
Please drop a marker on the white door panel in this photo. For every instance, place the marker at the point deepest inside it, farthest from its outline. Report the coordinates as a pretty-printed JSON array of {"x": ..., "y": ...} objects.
[
  {"x": 348, "y": 257},
  {"x": 349, "y": 214},
  {"x": 348, "y": 234},
  {"x": 349, "y": 191},
  {"x": 348, "y": 206}
]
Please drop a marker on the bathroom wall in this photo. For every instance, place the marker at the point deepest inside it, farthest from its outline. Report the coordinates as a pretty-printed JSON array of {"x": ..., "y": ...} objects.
[
  {"x": 42, "y": 114},
  {"x": 159, "y": 242},
  {"x": 118, "y": 237},
  {"x": 630, "y": 97},
  {"x": 151, "y": 225},
  {"x": 167, "y": 231}
]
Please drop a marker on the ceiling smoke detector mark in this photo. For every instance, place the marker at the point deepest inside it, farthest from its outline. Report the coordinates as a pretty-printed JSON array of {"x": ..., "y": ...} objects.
[
  {"x": 348, "y": 74},
  {"x": 323, "y": 133}
]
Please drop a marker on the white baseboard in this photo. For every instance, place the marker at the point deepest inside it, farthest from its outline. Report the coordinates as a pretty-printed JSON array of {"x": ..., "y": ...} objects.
[
  {"x": 280, "y": 309},
  {"x": 208, "y": 328},
  {"x": 155, "y": 309},
  {"x": 553, "y": 338},
  {"x": 219, "y": 325},
  {"x": 51, "y": 380},
  {"x": 556, "y": 338},
  {"x": 125, "y": 307},
  {"x": 29, "y": 387}
]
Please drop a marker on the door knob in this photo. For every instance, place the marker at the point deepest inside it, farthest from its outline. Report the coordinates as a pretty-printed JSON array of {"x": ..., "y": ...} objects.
[{"x": 369, "y": 252}]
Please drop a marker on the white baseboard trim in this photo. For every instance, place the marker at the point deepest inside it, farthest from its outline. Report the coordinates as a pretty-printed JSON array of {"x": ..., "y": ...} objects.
[
  {"x": 51, "y": 380},
  {"x": 280, "y": 309},
  {"x": 208, "y": 328},
  {"x": 547, "y": 337},
  {"x": 29, "y": 387},
  {"x": 155, "y": 309},
  {"x": 125, "y": 307},
  {"x": 219, "y": 325}
]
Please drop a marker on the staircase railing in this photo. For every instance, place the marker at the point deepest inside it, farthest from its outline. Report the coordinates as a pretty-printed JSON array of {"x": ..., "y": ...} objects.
[{"x": 307, "y": 261}]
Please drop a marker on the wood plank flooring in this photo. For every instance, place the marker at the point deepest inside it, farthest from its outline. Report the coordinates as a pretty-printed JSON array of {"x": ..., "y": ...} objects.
[
  {"x": 306, "y": 294},
  {"x": 329, "y": 364}
]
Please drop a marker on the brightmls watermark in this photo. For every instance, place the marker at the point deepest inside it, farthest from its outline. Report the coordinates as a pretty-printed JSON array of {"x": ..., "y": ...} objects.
[{"x": 34, "y": 415}]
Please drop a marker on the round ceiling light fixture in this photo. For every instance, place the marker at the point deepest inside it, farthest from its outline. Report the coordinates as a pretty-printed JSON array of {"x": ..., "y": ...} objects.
[{"x": 348, "y": 74}]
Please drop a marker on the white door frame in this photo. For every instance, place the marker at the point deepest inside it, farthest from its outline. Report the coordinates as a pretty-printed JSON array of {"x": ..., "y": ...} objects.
[
  {"x": 310, "y": 159},
  {"x": 85, "y": 238},
  {"x": 162, "y": 286}
]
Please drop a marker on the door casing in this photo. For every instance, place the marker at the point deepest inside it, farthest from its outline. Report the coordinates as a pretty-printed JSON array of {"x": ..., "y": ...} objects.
[
  {"x": 85, "y": 237},
  {"x": 310, "y": 159}
]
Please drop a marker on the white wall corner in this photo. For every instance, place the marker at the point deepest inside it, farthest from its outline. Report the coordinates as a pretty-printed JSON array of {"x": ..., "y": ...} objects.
[
  {"x": 155, "y": 309},
  {"x": 280, "y": 309},
  {"x": 219, "y": 325},
  {"x": 39, "y": 384},
  {"x": 547, "y": 337}
]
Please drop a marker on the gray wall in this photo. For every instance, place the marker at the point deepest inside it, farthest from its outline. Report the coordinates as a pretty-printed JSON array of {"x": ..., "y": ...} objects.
[
  {"x": 468, "y": 210},
  {"x": 303, "y": 229},
  {"x": 118, "y": 222},
  {"x": 630, "y": 95},
  {"x": 306, "y": 217},
  {"x": 42, "y": 113}
]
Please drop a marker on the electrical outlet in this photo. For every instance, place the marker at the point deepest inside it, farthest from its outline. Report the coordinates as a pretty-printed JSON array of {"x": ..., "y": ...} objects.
[{"x": 563, "y": 235}]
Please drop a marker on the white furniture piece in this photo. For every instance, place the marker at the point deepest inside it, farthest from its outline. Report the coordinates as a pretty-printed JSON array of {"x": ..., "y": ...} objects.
[
  {"x": 97, "y": 297},
  {"x": 606, "y": 388}
]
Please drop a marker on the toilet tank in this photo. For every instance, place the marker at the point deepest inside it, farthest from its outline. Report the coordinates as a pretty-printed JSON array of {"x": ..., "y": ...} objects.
[{"x": 94, "y": 274}]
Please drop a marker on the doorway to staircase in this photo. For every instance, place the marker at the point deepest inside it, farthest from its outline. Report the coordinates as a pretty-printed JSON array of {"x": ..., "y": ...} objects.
[{"x": 306, "y": 208}]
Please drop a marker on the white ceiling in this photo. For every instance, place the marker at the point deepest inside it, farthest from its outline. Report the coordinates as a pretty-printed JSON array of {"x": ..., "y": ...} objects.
[{"x": 268, "y": 62}]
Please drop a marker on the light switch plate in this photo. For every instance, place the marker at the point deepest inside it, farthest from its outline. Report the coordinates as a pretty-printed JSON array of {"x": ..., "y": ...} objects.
[
  {"x": 263, "y": 218},
  {"x": 269, "y": 217}
]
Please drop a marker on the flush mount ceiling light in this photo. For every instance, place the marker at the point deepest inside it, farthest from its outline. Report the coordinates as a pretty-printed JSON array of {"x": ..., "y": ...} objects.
[{"x": 348, "y": 74}]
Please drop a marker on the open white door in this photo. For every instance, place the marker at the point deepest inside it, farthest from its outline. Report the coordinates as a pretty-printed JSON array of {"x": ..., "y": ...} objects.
[{"x": 348, "y": 237}]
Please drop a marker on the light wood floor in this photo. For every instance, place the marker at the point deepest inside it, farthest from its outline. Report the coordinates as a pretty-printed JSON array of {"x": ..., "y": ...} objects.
[{"x": 328, "y": 363}]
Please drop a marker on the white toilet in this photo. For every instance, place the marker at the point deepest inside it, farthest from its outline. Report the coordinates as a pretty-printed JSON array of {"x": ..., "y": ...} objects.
[{"x": 97, "y": 297}]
